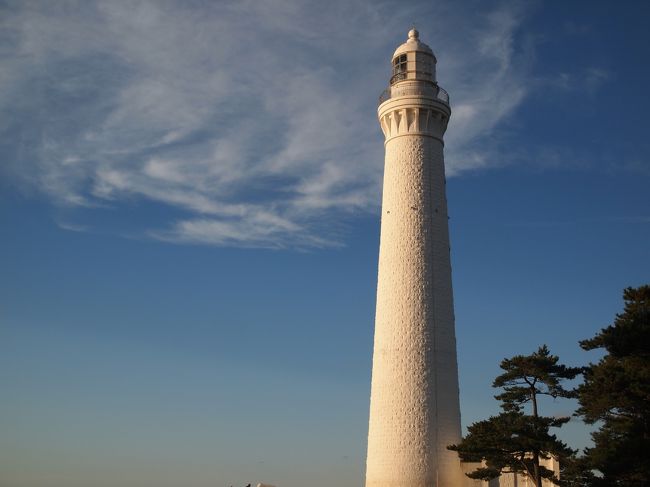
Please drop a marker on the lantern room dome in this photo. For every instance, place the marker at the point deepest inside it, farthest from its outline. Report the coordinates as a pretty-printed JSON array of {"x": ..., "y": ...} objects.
[{"x": 413, "y": 44}]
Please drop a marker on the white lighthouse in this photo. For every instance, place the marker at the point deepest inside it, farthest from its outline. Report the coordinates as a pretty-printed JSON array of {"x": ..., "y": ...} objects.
[{"x": 414, "y": 404}]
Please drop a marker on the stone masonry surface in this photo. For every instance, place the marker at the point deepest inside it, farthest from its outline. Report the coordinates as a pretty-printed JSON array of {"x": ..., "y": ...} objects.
[
  {"x": 414, "y": 405},
  {"x": 414, "y": 411}
]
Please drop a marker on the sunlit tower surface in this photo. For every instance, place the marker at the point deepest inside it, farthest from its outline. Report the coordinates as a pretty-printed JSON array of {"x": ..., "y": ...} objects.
[{"x": 414, "y": 404}]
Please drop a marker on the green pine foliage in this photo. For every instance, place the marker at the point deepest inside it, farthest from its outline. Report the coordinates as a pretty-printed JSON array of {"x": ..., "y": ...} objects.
[
  {"x": 616, "y": 394},
  {"x": 506, "y": 444},
  {"x": 528, "y": 377},
  {"x": 574, "y": 472},
  {"x": 513, "y": 441}
]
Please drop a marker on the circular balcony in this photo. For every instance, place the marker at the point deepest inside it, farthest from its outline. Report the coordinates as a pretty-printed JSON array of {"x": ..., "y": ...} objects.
[{"x": 438, "y": 93}]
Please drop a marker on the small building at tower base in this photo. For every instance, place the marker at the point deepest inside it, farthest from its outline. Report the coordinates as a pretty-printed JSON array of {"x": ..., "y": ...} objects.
[{"x": 511, "y": 479}]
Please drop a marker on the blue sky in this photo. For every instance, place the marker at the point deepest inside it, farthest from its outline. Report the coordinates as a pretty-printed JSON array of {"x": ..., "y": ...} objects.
[{"x": 189, "y": 205}]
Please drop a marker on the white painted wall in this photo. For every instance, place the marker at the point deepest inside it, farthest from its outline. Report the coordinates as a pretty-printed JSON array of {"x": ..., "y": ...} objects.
[{"x": 414, "y": 407}]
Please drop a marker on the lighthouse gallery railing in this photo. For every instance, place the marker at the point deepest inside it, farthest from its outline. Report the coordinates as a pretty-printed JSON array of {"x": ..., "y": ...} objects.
[{"x": 438, "y": 92}]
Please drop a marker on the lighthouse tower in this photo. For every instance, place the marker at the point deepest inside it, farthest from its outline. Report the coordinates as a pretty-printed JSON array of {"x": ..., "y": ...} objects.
[{"x": 414, "y": 405}]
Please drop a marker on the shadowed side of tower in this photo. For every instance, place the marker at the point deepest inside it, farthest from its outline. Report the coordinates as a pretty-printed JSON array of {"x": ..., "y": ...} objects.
[{"x": 414, "y": 406}]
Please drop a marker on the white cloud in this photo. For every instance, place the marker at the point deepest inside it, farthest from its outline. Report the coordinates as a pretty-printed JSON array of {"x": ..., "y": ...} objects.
[
  {"x": 490, "y": 80},
  {"x": 254, "y": 119},
  {"x": 588, "y": 79}
]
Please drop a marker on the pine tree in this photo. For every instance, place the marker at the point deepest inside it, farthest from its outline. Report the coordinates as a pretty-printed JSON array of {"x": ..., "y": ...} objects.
[
  {"x": 616, "y": 393},
  {"x": 514, "y": 442}
]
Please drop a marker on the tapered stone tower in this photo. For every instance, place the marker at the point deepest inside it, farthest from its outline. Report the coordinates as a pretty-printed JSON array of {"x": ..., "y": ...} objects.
[{"x": 414, "y": 405}]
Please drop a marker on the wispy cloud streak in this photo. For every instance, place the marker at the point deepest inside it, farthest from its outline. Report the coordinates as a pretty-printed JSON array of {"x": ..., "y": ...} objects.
[{"x": 255, "y": 123}]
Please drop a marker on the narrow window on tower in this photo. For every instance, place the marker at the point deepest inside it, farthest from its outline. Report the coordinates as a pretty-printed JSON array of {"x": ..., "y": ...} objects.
[
  {"x": 426, "y": 68},
  {"x": 399, "y": 68}
]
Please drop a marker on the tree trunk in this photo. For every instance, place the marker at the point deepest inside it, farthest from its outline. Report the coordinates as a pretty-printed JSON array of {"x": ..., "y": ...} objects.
[{"x": 538, "y": 477}]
